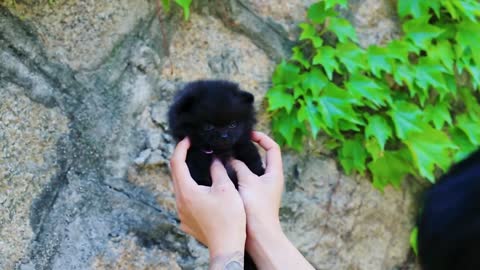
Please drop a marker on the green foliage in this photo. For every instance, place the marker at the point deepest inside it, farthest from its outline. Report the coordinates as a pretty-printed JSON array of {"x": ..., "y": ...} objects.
[
  {"x": 184, "y": 4},
  {"x": 410, "y": 107},
  {"x": 414, "y": 241}
]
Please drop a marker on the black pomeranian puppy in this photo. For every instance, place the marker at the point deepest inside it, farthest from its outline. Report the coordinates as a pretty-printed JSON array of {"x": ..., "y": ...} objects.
[
  {"x": 449, "y": 225},
  {"x": 218, "y": 118}
]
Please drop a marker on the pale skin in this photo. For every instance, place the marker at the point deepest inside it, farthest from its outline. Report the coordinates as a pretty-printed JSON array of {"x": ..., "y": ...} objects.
[{"x": 227, "y": 221}]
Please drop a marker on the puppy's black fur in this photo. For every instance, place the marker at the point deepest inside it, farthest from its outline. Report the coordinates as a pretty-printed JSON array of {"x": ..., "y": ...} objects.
[
  {"x": 218, "y": 118},
  {"x": 449, "y": 225}
]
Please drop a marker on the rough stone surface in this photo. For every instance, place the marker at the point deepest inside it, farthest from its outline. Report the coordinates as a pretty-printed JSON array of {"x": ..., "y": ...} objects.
[
  {"x": 126, "y": 254},
  {"x": 205, "y": 48},
  {"x": 29, "y": 133},
  {"x": 330, "y": 217},
  {"x": 84, "y": 139},
  {"x": 287, "y": 13},
  {"x": 375, "y": 21},
  {"x": 83, "y": 33}
]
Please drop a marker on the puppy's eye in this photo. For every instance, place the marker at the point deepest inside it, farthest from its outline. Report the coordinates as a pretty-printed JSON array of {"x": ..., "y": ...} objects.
[
  {"x": 233, "y": 124},
  {"x": 208, "y": 127}
]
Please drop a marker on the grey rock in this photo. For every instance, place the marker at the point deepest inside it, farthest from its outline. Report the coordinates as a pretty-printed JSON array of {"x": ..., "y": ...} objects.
[
  {"x": 154, "y": 140},
  {"x": 29, "y": 134},
  {"x": 157, "y": 158},
  {"x": 242, "y": 18},
  {"x": 159, "y": 113},
  {"x": 142, "y": 157}
]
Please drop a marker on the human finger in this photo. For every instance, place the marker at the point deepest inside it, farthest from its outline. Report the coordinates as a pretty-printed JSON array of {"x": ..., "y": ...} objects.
[
  {"x": 274, "y": 155},
  {"x": 243, "y": 172},
  {"x": 180, "y": 172},
  {"x": 218, "y": 173}
]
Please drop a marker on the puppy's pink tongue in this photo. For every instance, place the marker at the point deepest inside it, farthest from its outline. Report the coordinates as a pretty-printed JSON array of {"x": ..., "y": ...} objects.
[{"x": 208, "y": 152}]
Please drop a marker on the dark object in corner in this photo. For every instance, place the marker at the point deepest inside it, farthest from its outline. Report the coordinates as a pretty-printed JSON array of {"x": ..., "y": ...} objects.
[
  {"x": 449, "y": 225},
  {"x": 218, "y": 118}
]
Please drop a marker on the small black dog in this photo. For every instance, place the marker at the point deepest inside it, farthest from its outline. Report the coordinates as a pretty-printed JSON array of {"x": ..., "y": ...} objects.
[
  {"x": 449, "y": 225},
  {"x": 218, "y": 118}
]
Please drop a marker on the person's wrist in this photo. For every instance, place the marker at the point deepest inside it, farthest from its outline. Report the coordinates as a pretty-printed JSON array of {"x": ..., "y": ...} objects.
[
  {"x": 263, "y": 232},
  {"x": 264, "y": 241},
  {"x": 257, "y": 227},
  {"x": 227, "y": 244}
]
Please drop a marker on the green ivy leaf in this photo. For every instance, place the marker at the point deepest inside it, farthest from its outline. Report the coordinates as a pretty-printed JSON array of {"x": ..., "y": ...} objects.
[
  {"x": 470, "y": 127},
  {"x": 442, "y": 52},
  {"x": 286, "y": 125},
  {"x": 347, "y": 125},
  {"x": 474, "y": 71},
  {"x": 420, "y": 32},
  {"x": 315, "y": 80},
  {"x": 332, "y": 3},
  {"x": 417, "y": 7},
  {"x": 185, "y": 4},
  {"x": 352, "y": 155},
  {"x": 429, "y": 73},
  {"x": 286, "y": 74},
  {"x": 299, "y": 57},
  {"x": 470, "y": 9},
  {"x": 399, "y": 49},
  {"x": 439, "y": 114},
  {"x": 471, "y": 104},
  {"x": 373, "y": 148},
  {"x": 391, "y": 168},
  {"x": 325, "y": 56},
  {"x": 450, "y": 8},
  {"x": 308, "y": 112},
  {"x": 379, "y": 128},
  {"x": 379, "y": 60},
  {"x": 414, "y": 241},
  {"x": 336, "y": 103},
  {"x": 364, "y": 87},
  {"x": 404, "y": 74},
  {"x": 352, "y": 56},
  {"x": 317, "y": 12},
  {"x": 310, "y": 33},
  {"x": 342, "y": 29},
  {"x": 461, "y": 140},
  {"x": 406, "y": 117},
  {"x": 467, "y": 38},
  {"x": 430, "y": 147},
  {"x": 278, "y": 98}
]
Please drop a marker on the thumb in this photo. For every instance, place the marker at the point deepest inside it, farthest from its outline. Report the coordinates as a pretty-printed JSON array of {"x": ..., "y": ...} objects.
[
  {"x": 244, "y": 174},
  {"x": 219, "y": 173}
]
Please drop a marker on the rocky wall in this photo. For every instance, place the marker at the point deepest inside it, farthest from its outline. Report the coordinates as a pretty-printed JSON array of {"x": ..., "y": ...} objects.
[{"x": 84, "y": 178}]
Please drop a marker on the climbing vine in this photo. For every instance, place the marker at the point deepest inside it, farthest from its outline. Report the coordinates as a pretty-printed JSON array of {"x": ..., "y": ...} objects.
[
  {"x": 409, "y": 107},
  {"x": 184, "y": 4}
]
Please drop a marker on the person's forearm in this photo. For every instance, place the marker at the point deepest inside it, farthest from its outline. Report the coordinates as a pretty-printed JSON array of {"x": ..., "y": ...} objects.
[{"x": 271, "y": 249}]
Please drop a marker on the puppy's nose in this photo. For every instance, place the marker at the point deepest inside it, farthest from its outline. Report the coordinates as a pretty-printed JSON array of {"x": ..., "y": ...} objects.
[{"x": 224, "y": 135}]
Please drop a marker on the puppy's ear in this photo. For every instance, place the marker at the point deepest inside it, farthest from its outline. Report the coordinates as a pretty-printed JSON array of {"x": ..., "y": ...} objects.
[{"x": 246, "y": 97}]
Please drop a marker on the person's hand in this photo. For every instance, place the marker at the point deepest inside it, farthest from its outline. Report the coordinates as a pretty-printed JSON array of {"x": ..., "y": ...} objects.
[
  {"x": 213, "y": 215},
  {"x": 262, "y": 195}
]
